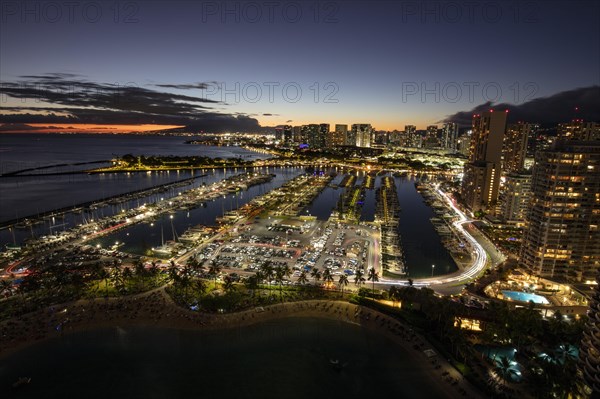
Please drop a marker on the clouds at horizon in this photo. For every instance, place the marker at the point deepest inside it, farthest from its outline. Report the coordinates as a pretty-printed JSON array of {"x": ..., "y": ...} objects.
[
  {"x": 558, "y": 108},
  {"x": 67, "y": 98},
  {"x": 63, "y": 98}
]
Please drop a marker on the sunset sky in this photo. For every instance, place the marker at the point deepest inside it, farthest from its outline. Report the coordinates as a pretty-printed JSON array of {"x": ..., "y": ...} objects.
[{"x": 218, "y": 66}]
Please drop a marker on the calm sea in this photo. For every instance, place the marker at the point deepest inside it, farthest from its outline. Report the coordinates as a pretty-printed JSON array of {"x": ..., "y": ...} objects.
[
  {"x": 286, "y": 358},
  {"x": 23, "y": 196}
]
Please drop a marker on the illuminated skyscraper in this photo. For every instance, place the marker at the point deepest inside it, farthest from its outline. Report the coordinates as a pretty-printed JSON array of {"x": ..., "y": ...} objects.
[
  {"x": 338, "y": 136},
  {"x": 481, "y": 179},
  {"x": 562, "y": 240},
  {"x": 431, "y": 137},
  {"x": 297, "y": 134},
  {"x": 323, "y": 135},
  {"x": 514, "y": 147},
  {"x": 287, "y": 134},
  {"x": 279, "y": 134},
  {"x": 464, "y": 143},
  {"x": 577, "y": 129},
  {"x": 314, "y": 136},
  {"x": 362, "y": 132},
  {"x": 412, "y": 138},
  {"x": 515, "y": 197},
  {"x": 449, "y": 136}
]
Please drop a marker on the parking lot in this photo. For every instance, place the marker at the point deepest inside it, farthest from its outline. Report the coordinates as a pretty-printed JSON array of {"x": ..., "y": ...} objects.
[{"x": 300, "y": 243}]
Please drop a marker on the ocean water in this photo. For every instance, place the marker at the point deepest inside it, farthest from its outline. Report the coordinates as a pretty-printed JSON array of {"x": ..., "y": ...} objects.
[
  {"x": 24, "y": 196},
  {"x": 285, "y": 358}
]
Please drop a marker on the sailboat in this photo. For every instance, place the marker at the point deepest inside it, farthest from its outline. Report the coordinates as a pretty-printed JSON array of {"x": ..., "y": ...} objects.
[{"x": 163, "y": 250}]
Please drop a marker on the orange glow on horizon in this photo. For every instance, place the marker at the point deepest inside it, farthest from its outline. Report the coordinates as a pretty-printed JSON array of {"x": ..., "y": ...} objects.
[{"x": 89, "y": 128}]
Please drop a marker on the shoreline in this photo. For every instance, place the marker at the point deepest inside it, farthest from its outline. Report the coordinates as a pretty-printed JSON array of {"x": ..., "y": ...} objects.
[{"x": 156, "y": 309}]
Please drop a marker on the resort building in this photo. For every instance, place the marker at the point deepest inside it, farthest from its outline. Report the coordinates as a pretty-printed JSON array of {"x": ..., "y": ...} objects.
[
  {"x": 515, "y": 197},
  {"x": 562, "y": 240}
]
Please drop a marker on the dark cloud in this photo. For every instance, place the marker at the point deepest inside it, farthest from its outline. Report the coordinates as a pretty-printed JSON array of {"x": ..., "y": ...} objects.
[
  {"x": 270, "y": 114},
  {"x": 547, "y": 111},
  {"x": 289, "y": 121},
  {"x": 15, "y": 127},
  {"x": 66, "y": 98},
  {"x": 199, "y": 85}
]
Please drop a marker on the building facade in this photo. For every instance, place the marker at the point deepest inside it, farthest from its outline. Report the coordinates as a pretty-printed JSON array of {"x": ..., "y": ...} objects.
[
  {"x": 363, "y": 133},
  {"x": 338, "y": 136},
  {"x": 561, "y": 240},
  {"x": 450, "y": 136},
  {"x": 481, "y": 178},
  {"x": 514, "y": 149},
  {"x": 515, "y": 197}
]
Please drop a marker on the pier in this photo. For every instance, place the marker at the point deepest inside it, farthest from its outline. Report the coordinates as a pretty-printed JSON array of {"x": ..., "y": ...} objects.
[{"x": 387, "y": 215}]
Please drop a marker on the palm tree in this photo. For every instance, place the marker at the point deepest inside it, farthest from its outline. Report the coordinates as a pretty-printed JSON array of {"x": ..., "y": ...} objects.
[
  {"x": 116, "y": 276},
  {"x": 342, "y": 282},
  {"x": 566, "y": 352},
  {"x": 327, "y": 276},
  {"x": 373, "y": 276},
  {"x": 358, "y": 278},
  {"x": 214, "y": 270},
  {"x": 316, "y": 274},
  {"x": 302, "y": 279},
  {"x": 185, "y": 282},
  {"x": 504, "y": 367},
  {"x": 228, "y": 284},
  {"x": 260, "y": 277},
  {"x": 279, "y": 277},
  {"x": 173, "y": 272},
  {"x": 251, "y": 283},
  {"x": 104, "y": 275},
  {"x": 200, "y": 286},
  {"x": 267, "y": 273},
  {"x": 127, "y": 275}
]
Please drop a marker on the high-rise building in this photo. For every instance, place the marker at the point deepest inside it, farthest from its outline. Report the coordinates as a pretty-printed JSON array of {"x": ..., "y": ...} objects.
[
  {"x": 351, "y": 137},
  {"x": 589, "y": 355},
  {"x": 515, "y": 197},
  {"x": 449, "y": 136},
  {"x": 431, "y": 137},
  {"x": 514, "y": 148},
  {"x": 463, "y": 144},
  {"x": 412, "y": 138},
  {"x": 305, "y": 134},
  {"x": 481, "y": 179},
  {"x": 287, "y": 134},
  {"x": 279, "y": 134},
  {"x": 562, "y": 240},
  {"x": 313, "y": 136},
  {"x": 577, "y": 129},
  {"x": 323, "y": 135},
  {"x": 362, "y": 132},
  {"x": 338, "y": 136},
  {"x": 297, "y": 134}
]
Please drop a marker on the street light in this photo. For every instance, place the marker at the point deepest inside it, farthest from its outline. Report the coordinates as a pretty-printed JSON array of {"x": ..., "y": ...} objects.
[{"x": 432, "y": 267}]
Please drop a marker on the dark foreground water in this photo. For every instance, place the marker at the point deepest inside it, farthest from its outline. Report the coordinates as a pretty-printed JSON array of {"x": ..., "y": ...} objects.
[{"x": 286, "y": 358}]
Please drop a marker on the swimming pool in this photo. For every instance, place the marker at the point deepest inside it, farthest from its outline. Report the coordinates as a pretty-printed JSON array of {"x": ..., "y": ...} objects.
[{"x": 525, "y": 297}]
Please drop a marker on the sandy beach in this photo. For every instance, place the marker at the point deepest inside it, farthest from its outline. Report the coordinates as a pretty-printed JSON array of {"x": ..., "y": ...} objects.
[{"x": 156, "y": 309}]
